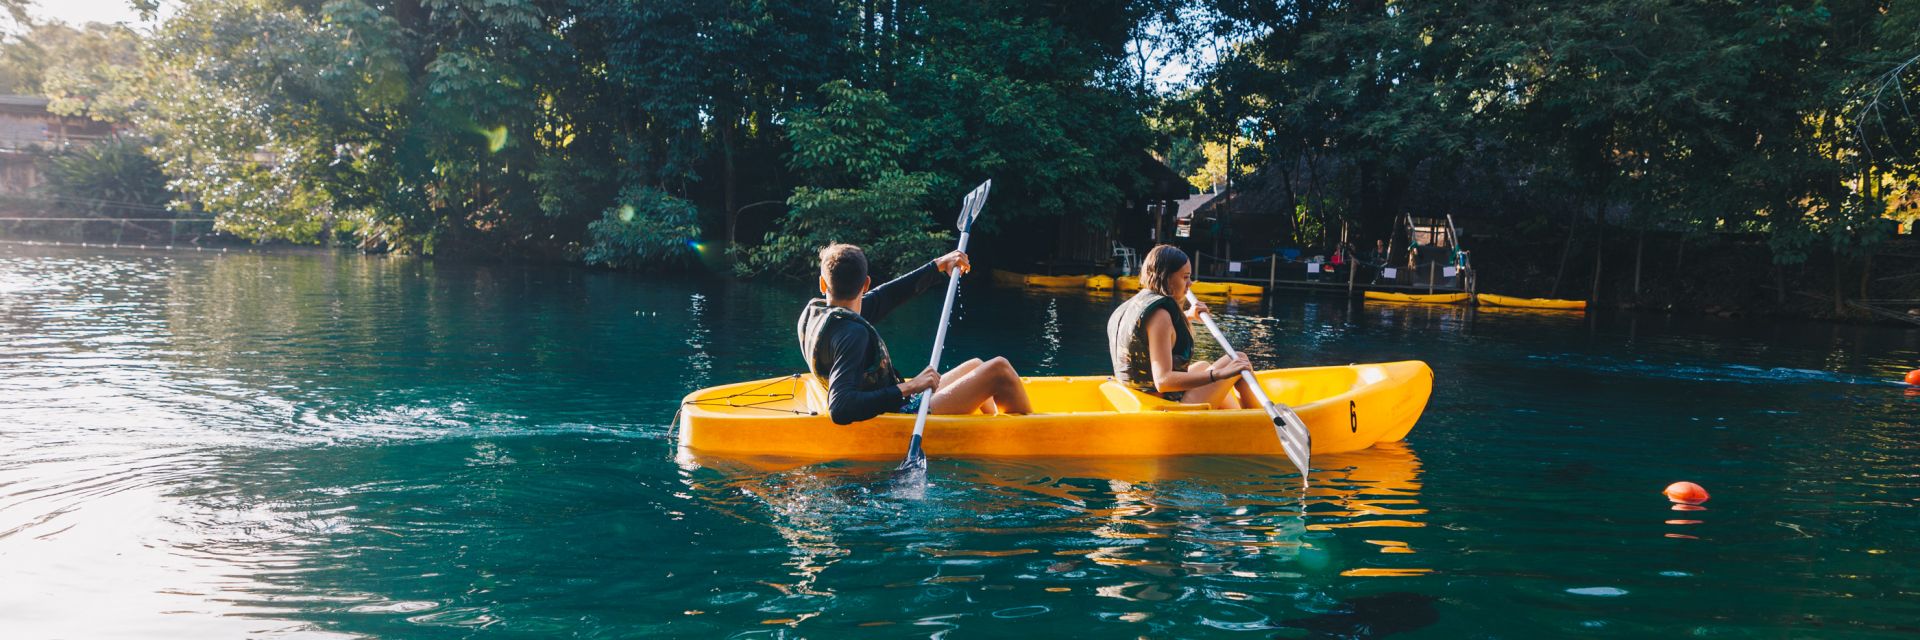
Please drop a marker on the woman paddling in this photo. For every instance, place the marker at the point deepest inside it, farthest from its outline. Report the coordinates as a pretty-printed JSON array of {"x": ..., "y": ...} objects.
[{"x": 1152, "y": 345}]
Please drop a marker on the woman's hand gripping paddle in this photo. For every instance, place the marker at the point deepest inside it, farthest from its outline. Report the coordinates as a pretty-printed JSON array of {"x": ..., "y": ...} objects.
[
  {"x": 969, "y": 210},
  {"x": 1286, "y": 424}
]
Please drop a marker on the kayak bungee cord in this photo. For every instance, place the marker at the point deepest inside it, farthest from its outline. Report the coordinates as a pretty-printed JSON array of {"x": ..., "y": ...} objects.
[
  {"x": 727, "y": 400},
  {"x": 1287, "y": 425},
  {"x": 969, "y": 209}
]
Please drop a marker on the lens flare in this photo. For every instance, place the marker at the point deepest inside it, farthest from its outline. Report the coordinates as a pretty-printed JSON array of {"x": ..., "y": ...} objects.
[{"x": 496, "y": 138}]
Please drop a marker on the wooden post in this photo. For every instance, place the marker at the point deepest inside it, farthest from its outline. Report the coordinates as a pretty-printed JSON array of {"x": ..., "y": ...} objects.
[
  {"x": 1273, "y": 269},
  {"x": 1352, "y": 268},
  {"x": 1639, "y": 247}
]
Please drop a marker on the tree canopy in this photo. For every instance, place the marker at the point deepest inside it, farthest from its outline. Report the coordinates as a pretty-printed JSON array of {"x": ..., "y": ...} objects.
[{"x": 641, "y": 133}]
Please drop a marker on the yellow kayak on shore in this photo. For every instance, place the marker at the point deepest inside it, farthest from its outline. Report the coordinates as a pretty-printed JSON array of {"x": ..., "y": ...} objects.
[
  {"x": 1012, "y": 279},
  {"x": 1203, "y": 288},
  {"x": 1421, "y": 298},
  {"x": 1346, "y": 408},
  {"x": 1530, "y": 303}
]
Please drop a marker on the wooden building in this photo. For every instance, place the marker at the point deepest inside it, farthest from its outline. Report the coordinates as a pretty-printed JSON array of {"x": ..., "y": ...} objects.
[{"x": 28, "y": 131}]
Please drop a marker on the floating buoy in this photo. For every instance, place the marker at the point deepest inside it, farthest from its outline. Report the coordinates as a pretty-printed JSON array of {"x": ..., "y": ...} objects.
[
  {"x": 1913, "y": 377},
  {"x": 1686, "y": 493}
]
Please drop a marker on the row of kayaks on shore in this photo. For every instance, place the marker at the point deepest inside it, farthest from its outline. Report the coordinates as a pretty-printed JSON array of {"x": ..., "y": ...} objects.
[
  {"x": 1109, "y": 283},
  {"x": 1487, "y": 299},
  {"x": 1346, "y": 408}
]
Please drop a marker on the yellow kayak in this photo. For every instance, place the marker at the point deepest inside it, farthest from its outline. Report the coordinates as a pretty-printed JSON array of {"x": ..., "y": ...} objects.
[
  {"x": 1100, "y": 283},
  {"x": 1423, "y": 298},
  {"x": 1346, "y": 408},
  {"x": 1530, "y": 303},
  {"x": 1203, "y": 288},
  {"x": 1011, "y": 279}
]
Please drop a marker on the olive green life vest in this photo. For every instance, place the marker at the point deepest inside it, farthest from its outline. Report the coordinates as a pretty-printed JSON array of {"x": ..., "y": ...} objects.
[
  {"x": 1127, "y": 339},
  {"x": 814, "y": 321}
]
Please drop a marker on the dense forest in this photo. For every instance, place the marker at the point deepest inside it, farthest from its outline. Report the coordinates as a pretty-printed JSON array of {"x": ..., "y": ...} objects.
[{"x": 741, "y": 134}]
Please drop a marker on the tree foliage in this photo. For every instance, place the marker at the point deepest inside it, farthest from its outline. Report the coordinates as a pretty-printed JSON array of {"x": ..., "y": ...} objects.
[
  {"x": 853, "y": 145},
  {"x": 583, "y": 129},
  {"x": 1643, "y": 113}
]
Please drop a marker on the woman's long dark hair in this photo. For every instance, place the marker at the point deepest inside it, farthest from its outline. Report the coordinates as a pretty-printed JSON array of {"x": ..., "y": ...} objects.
[{"x": 1162, "y": 262}]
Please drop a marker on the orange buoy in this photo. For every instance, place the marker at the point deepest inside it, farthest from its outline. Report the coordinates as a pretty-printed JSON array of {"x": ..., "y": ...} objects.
[
  {"x": 1686, "y": 493},
  {"x": 1913, "y": 377}
]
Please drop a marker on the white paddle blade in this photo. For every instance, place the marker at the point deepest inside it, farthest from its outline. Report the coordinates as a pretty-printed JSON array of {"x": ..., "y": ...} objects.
[
  {"x": 971, "y": 206},
  {"x": 1295, "y": 439}
]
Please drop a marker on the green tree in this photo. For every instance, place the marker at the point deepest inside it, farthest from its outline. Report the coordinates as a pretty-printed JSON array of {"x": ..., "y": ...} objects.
[{"x": 851, "y": 145}]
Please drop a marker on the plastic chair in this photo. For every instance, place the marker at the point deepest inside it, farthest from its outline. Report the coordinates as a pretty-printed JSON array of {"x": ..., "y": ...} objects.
[{"x": 1127, "y": 257}]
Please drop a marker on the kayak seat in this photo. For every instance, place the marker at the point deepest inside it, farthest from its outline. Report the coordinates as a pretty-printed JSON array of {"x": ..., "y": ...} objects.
[
  {"x": 813, "y": 394},
  {"x": 1126, "y": 399}
]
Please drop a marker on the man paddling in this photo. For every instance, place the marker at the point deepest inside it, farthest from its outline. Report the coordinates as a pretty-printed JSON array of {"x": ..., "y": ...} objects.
[{"x": 839, "y": 342}]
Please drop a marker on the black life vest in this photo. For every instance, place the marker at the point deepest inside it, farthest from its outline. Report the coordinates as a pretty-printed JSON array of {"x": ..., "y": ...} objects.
[
  {"x": 1127, "y": 339},
  {"x": 817, "y": 318}
]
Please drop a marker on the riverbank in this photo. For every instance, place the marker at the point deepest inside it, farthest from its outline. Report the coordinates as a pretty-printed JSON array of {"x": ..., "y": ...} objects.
[{"x": 1725, "y": 275}]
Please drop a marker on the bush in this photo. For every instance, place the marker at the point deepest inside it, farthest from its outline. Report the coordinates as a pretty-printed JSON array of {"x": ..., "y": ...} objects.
[
  {"x": 884, "y": 218},
  {"x": 113, "y": 178},
  {"x": 647, "y": 228}
]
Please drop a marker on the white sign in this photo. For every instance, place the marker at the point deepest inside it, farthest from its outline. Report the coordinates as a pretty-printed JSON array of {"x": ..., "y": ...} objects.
[
  {"x": 1390, "y": 273},
  {"x": 1234, "y": 267},
  {"x": 1313, "y": 267},
  {"x": 1449, "y": 272}
]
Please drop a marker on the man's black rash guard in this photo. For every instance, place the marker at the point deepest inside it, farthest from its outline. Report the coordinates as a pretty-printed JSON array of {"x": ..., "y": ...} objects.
[{"x": 854, "y": 347}]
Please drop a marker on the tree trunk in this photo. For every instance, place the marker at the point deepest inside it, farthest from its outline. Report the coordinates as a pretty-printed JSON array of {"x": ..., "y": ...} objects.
[
  {"x": 1639, "y": 247},
  {"x": 1573, "y": 222},
  {"x": 728, "y": 125},
  {"x": 1779, "y": 284},
  {"x": 1226, "y": 212},
  {"x": 1839, "y": 301},
  {"x": 1599, "y": 250},
  {"x": 1866, "y": 270}
]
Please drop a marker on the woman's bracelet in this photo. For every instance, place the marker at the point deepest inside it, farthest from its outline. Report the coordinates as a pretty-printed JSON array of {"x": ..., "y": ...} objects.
[{"x": 1210, "y": 377}]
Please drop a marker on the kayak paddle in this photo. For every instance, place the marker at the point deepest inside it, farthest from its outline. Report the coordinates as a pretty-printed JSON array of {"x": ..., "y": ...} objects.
[
  {"x": 1286, "y": 424},
  {"x": 969, "y": 209}
]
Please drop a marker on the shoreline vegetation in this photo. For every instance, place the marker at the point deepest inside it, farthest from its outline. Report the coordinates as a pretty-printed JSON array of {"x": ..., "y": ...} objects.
[
  {"x": 1708, "y": 277},
  {"x": 1729, "y": 159}
]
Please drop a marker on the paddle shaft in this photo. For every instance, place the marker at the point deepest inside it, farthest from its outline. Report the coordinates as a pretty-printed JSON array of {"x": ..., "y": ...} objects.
[
  {"x": 939, "y": 341},
  {"x": 1298, "y": 446}
]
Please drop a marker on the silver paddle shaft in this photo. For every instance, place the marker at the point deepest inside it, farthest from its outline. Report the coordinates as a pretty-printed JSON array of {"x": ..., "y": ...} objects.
[
  {"x": 1287, "y": 425},
  {"x": 940, "y": 338}
]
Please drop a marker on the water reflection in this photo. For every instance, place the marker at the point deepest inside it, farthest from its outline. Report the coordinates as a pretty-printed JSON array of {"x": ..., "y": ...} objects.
[{"x": 1134, "y": 540}]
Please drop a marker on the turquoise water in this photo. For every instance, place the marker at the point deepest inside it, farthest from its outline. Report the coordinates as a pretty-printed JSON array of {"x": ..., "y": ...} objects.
[{"x": 207, "y": 446}]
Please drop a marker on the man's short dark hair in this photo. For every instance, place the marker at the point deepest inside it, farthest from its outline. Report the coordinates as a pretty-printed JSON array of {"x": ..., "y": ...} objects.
[{"x": 845, "y": 268}]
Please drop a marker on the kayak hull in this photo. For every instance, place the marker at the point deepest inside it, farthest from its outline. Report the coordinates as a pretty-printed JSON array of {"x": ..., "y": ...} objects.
[
  {"x": 1203, "y": 288},
  {"x": 1012, "y": 279},
  {"x": 1529, "y": 303},
  {"x": 1346, "y": 408},
  {"x": 1419, "y": 298}
]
